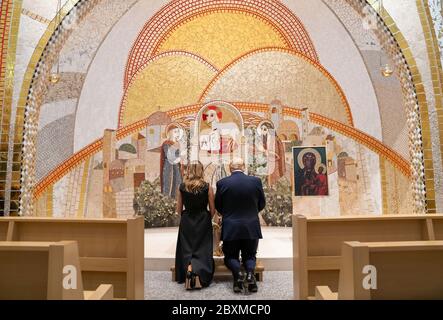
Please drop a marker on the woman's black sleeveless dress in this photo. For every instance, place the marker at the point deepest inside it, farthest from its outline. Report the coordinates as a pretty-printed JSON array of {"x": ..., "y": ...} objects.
[{"x": 194, "y": 242}]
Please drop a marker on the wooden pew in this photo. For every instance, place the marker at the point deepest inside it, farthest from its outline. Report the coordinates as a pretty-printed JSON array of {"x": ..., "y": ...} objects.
[
  {"x": 437, "y": 224},
  {"x": 404, "y": 270},
  {"x": 34, "y": 270},
  {"x": 4, "y": 224},
  {"x": 317, "y": 243},
  {"x": 111, "y": 250}
]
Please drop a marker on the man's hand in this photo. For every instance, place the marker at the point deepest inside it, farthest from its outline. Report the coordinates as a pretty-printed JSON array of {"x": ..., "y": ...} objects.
[{"x": 217, "y": 219}]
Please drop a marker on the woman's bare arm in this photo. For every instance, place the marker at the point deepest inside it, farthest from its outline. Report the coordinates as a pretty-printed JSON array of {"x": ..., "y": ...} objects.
[
  {"x": 179, "y": 207},
  {"x": 211, "y": 201}
]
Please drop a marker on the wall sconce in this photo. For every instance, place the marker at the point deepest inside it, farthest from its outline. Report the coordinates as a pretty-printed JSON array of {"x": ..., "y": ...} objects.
[
  {"x": 55, "y": 76},
  {"x": 385, "y": 68}
]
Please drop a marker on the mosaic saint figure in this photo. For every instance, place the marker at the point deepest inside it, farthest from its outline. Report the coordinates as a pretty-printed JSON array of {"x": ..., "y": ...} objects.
[
  {"x": 222, "y": 135},
  {"x": 219, "y": 139},
  {"x": 170, "y": 161},
  {"x": 274, "y": 152}
]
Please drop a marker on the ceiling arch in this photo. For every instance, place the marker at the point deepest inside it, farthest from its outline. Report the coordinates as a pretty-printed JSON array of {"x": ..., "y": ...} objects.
[
  {"x": 167, "y": 80},
  {"x": 223, "y": 35},
  {"x": 175, "y": 12},
  {"x": 268, "y": 73}
]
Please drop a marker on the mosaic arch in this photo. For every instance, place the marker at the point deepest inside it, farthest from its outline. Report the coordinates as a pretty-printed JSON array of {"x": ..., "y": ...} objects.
[
  {"x": 174, "y": 79},
  {"x": 217, "y": 32},
  {"x": 292, "y": 76},
  {"x": 177, "y": 16},
  {"x": 167, "y": 80},
  {"x": 47, "y": 49},
  {"x": 222, "y": 35}
]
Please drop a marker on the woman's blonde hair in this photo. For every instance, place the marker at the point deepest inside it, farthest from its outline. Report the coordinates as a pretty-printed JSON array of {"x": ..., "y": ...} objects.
[{"x": 193, "y": 180}]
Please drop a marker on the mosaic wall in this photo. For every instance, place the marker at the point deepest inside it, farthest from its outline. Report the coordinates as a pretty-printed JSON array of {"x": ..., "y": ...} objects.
[
  {"x": 58, "y": 111},
  {"x": 411, "y": 18},
  {"x": 436, "y": 10},
  {"x": 173, "y": 85},
  {"x": 293, "y": 80},
  {"x": 388, "y": 90},
  {"x": 169, "y": 70},
  {"x": 133, "y": 167}
]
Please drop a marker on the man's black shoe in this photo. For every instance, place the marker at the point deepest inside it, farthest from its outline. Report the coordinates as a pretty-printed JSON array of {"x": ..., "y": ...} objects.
[
  {"x": 238, "y": 283},
  {"x": 251, "y": 282}
]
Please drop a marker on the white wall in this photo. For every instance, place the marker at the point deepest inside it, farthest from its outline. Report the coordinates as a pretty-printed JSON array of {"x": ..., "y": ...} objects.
[
  {"x": 102, "y": 92},
  {"x": 340, "y": 56}
]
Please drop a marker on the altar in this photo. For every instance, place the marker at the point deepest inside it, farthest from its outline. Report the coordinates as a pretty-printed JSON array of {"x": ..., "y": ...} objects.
[{"x": 274, "y": 251}]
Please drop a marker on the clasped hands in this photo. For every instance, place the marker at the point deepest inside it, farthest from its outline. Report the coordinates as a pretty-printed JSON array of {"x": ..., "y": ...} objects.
[{"x": 216, "y": 220}]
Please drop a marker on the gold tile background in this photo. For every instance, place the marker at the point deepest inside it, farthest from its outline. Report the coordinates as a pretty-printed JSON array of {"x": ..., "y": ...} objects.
[
  {"x": 437, "y": 82},
  {"x": 9, "y": 25}
]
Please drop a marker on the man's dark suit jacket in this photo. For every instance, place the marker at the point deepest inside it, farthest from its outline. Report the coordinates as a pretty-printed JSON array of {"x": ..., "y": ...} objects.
[{"x": 239, "y": 199}]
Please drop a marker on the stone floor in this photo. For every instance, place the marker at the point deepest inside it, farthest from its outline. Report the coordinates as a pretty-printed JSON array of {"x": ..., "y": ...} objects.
[{"x": 277, "y": 285}]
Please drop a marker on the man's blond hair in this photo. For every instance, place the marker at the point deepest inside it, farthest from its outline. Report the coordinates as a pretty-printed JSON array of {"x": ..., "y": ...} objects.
[{"x": 237, "y": 164}]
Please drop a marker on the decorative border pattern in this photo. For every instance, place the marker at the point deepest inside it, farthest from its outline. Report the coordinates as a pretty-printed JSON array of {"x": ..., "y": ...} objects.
[
  {"x": 373, "y": 144},
  {"x": 6, "y": 8},
  {"x": 164, "y": 54},
  {"x": 9, "y": 182},
  {"x": 5, "y": 111},
  {"x": 437, "y": 83},
  {"x": 316, "y": 64},
  {"x": 178, "y": 10},
  {"x": 35, "y": 83}
]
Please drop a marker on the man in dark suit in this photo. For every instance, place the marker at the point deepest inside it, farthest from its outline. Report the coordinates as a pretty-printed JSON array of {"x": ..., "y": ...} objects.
[{"x": 239, "y": 199}]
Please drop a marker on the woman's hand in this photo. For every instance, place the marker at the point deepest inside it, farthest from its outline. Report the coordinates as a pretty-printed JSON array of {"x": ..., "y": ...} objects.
[
  {"x": 211, "y": 202},
  {"x": 179, "y": 207}
]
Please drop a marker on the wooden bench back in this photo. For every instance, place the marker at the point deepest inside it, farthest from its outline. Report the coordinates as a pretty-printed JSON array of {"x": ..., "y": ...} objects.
[
  {"x": 437, "y": 223},
  {"x": 111, "y": 250},
  {"x": 402, "y": 270},
  {"x": 4, "y": 224},
  {"x": 34, "y": 270},
  {"x": 317, "y": 243}
]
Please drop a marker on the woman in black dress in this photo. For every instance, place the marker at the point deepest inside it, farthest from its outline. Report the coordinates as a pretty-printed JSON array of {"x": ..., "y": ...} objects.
[{"x": 194, "y": 262}]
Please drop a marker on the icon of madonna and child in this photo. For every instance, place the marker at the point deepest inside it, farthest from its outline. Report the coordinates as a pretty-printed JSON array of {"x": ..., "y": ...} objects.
[{"x": 310, "y": 174}]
